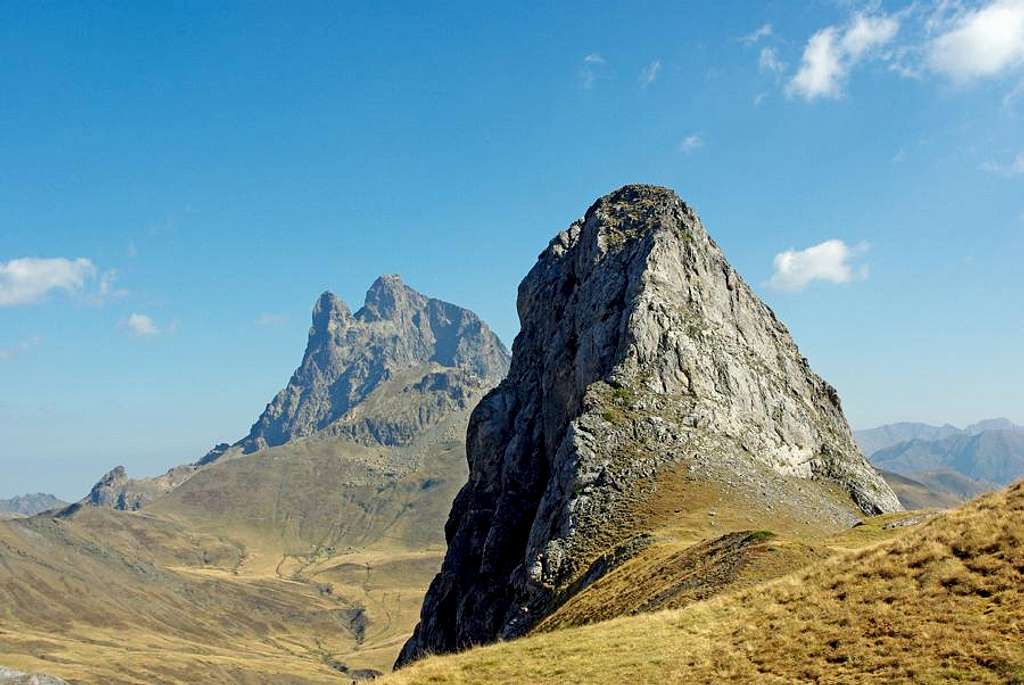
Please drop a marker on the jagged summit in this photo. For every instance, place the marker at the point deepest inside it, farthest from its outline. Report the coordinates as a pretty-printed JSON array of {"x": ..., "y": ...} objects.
[
  {"x": 389, "y": 297},
  {"x": 403, "y": 365},
  {"x": 328, "y": 308},
  {"x": 642, "y": 355},
  {"x": 397, "y": 332}
]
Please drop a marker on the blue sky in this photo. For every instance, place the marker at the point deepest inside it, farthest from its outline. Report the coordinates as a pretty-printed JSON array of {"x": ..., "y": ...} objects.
[{"x": 179, "y": 181}]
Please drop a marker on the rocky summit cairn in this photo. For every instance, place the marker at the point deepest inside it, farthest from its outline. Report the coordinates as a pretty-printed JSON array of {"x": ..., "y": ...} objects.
[
  {"x": 640, "y": 349},
  {"x": 397, "y": 333}
]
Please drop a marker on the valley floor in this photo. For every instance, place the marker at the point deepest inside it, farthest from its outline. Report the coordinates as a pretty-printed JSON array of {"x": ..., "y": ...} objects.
[{"x": 149, "y": 603}]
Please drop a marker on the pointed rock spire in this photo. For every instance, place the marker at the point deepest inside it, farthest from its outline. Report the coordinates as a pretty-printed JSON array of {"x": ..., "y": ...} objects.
[{"x": 642, "y": 354}]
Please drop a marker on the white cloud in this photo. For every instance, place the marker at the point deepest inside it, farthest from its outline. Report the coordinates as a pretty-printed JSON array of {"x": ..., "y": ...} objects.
[
  {"x": 141, "y": 325},
  {"x": 867, "y": 33},
  {"x": 649, "y": 73},
  {"x": 832, "y": 52},
  {"x": 7, "y": 353},
  {"x": 268, "y": 319},
  {"x": 769, "y": 61},
  {"x": 29, "y": 280},
  {"x": 822, "y": 69},
  {"x": 594, "y": 58},
  {"x": 828, "y": 261},
  {"x": 980, "y": 43},
  {"x": 691, "y": 143},
  {"x": 763, "y": 31},
  {"x": 1013, "y": 168},
  {"x": 759, "y": 98}
]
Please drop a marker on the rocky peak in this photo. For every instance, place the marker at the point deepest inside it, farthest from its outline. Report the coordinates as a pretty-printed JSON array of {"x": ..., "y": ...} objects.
[
  {"x": 328, "y": 310},
  {"x": 390, "y": 298},
  {"x": 398, "y": 335},
  {"x": 109, "y": 489},
  {"x": 641, "y": 353},
  {"x": 400, "y": 367}
]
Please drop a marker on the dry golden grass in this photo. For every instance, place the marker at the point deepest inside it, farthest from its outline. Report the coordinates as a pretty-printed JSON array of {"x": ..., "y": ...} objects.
[
  {"x": 118, "y": 598},
  {"x": 943, "y": 602},
  {"x": 709, "y": 539},
  {"x": 275, "y": 568}
]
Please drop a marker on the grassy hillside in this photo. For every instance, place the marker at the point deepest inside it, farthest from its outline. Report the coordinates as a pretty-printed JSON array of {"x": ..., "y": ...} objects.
[
  {"x": 301, "y": 564},
  {"x": 944, "y": 602},
  {"x": 916, "y": 494}
]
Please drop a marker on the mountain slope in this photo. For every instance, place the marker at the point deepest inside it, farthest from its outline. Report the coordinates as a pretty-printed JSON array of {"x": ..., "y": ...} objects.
[
  {"x": 916, "y": 494},
  {"x": 398, "y": 367},
  {"x": 304, "y": 562},
  {"x": 941, "y": 603},
  {"x": 349, "y": 357},
  {"x": 991, "y": 456},
  {"x": 29, "y": 505},
  {"x": 643, "y": 359},
  {"x": 117, "y": 598},
  {"x": 871, "y": 440}
]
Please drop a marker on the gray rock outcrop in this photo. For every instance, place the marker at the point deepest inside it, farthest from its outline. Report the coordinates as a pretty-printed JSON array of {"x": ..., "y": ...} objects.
[
  {"x": 29, "y": 505},
  {"x": 11, "y": 677},
  {"x": 351, "y": 356},
  {"x": 640, "y": 348}
]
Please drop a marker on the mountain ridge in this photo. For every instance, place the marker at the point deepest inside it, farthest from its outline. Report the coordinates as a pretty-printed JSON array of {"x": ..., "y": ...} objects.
[
  {"x": 29, "y": 504},
  {"x": 401, "y": 363}
]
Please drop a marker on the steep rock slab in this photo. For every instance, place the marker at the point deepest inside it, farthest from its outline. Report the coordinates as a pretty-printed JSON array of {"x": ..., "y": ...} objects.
[{"x": 640, "y": 349}]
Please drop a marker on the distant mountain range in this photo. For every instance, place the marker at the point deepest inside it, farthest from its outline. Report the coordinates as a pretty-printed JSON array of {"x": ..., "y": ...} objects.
[
  {"x": 29, "y": 505},
  {"x": 950, "y": 464}
]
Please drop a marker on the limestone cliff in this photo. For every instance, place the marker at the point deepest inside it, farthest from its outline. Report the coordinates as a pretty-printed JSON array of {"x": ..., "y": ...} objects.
[{"x": 640, "y": 349}]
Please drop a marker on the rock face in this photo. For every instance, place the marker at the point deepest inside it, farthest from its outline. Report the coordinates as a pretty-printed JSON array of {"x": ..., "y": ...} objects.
[
  {"x": 350, "y": 356},
  {"x": 29, "y": 505},
  {"x": 384, "y": 376},
  {"x": 12, "y": 677},
  {"x": 640, "y": 348}
]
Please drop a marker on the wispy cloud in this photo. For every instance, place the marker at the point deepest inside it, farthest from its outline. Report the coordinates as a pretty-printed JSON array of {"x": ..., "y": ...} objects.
[
  {"x": 691, "y": 142},
  {"x": 141, "y": 325},
  {"x": 980, "y": 43},
  {"x": 593, "y": 67},
  {"x": 28, "y": 280},
  {"x": 24, "y": 345},
  {"x": 830, "y": 261},
  {"x": 268, "y": 319},
  {"x": 107, "y": 287},
  {"x": 762, "y": 31},
  {"x": 833, "y": 51},
  {"x": 649, "y": 73},
  {"x": 1013, "y": 168},
  {"x": 768, "y": 61}
]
